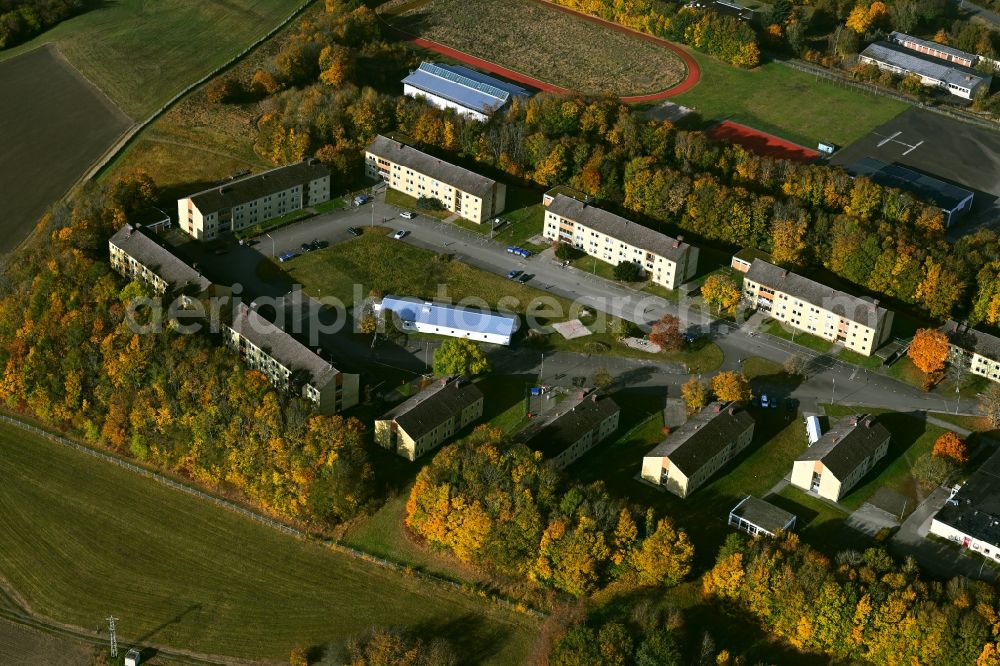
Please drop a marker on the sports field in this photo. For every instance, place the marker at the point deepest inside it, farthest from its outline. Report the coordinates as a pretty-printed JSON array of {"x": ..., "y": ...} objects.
[
  {"x": 53, "y": 125},
  {"x": 558, "y": 48},
  {"x": 786, "y": 102},
  {"x": 81, "y": 539},
  {"x": 142, "y": 52}
]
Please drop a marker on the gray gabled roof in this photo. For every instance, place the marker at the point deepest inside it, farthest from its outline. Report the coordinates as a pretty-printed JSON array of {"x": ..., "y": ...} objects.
[
  {"x": 254, "y": 187},
  {"x": 571, "y": 419},
  {"x": 618, "y": 227},
  {"x": 157, "y": 258},
  {"x": 855, "y": 308},
  {"x": 282, "y": 347},
  {"x": 463, "y": 86},
  {"x": 846, "y": 445},
  {"x": 445, "y": 172},
  {"x": 902, "y": 38},
  {"x": 969, "y": 339},
  {"x": 703, "y": 436},
  {"x": 928, "y": 66},
  {"x": 433, "y": 406},
  {"x": 975, "y": 508}
]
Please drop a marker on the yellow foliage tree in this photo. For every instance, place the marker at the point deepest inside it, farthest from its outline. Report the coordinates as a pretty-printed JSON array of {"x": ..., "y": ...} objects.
[
  {"x": 664, "y": 557},
  {"x": 731, "y": 386},
  {"x": 721, "y": 291},
  {"x": 695, "y": 394}
]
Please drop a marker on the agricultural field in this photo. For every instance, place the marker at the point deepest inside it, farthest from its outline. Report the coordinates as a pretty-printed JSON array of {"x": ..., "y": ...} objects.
[
  {"x": 80, "y": 539},
  {"x": 25, "y": 645},
  {"x": 786, "y": 102},
  {"x": 549, "y": 45},
  {"x": 53, "y": 125},
  {"x": 142, "y": 53}
]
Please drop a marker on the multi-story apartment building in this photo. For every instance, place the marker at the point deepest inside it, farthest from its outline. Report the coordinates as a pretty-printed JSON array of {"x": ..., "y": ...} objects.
[
  {"x": 429, "y": 418},
  {"x": 574, "y": 426},
  {"x": 859, "y": 324},
  {"x": 613, "y": 239},
  {"x": 410, "y": 171},
  {"x": 695, "y": 451},
  {"x": 138, "y": 256},
  {"x": 977, "y": 351},
  {"x": 841, "y": 457},
  {"x": 242, "y": 203},
  {"x": 290, "y": 365}
]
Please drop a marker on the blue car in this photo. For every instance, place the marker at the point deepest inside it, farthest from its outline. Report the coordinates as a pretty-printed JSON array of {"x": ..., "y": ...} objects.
[{"x": 287, "y": 256}]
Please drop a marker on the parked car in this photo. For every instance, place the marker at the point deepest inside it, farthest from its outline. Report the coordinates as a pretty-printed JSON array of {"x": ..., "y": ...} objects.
[
  {"x": 320, "y": 244},
  {"x": 407, "y": 215},
  {"x": 287, "y": 256},
  {"x": 361, "y": 199},
  {"x": 402, "y": 233},
  {"x": 524, "y": 277},
  {"x": 513, "y": 274},
  {"x": 791, "y": 404},
  {"x": 764, "y": 401},
  {"x": 519, "y": 251},
  {"x": 354, "y": 231},
  {"x": 306, "y": 247}
]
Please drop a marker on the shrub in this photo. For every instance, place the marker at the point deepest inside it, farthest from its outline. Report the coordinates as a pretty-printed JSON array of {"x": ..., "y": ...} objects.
[{"x": 628, "y": 271}]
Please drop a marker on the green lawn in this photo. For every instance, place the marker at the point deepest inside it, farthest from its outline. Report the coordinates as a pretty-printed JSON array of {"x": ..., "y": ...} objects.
[
  {"x": 81, "y": 539},
  {"x": 817, "y": 522},
  {"x": 406, "y": 202},
  {"x": 757, "y": 367},
  {"x": 911, "y": 438},
  {"x": 786, "y": 102},
  {"x": 779, "y": 438},
  {"x": 870, "y": 362},
  {"x": 141, "y": 53},
  {"x": 780, "y": 330}
]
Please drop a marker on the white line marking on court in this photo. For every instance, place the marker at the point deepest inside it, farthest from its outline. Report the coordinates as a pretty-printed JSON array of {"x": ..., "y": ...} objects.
[
  {"x": 913, "y": 147},
  {"x": 888, "y": 139}
]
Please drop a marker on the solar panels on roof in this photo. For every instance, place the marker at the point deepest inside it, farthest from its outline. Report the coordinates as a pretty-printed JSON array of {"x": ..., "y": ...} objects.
[{"x": 463, "y": 86}]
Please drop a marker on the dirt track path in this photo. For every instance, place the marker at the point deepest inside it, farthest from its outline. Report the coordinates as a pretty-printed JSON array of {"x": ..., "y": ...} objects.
[{"x": 689, "y": 81}]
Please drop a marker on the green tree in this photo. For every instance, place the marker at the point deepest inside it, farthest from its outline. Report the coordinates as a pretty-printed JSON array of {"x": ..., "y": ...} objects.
[
  {"x": 628, "y": 271},
  {"x": 460, "y": 357}
]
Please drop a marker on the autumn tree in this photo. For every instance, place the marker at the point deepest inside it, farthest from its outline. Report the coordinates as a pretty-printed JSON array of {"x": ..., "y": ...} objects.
[
  {"x": 460, "y": 357},
  {"x": 951, "y": 446},
  {"x": 989, "y": 402},
  {"x": 929, "y": 350},
  {"x": 667, "y": 334},
  {"x": 602, "y": 379},
  {"x": 795, "y": 365},
  {"x": 930, "y": 471},
  {"x": 695, "y": 394},
  {"x": 335, "y": 64},
  {"x": 721, "y": 291},
  {"x": 382, "y": 646},
  {"x": 664, "y": 558},
  {"x": 788, "y": 241},
  {"x": 223, "y": 90},
  {"x": 731, "y": 386},
  {"x": 264, "y": 83}
]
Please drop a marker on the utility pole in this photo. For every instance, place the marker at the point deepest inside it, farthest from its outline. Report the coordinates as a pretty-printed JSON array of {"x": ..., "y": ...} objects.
[
  {"x": 373, "y": 213},
  {"x": 541, "y": 370},
  {"x": 272, "y": 245},
  {"x": 114, "y": 636},
  {"x": 833, "y": 392}
]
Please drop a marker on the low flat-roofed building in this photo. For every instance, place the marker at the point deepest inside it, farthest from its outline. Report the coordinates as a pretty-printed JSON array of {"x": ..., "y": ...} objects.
[
  {"x": 429, "y": 418},
  {"x": 859, "y": 324},
  {"x": 961, "y": 81},
  {"x": 971, "y": 516},
  {"x": 241, "y": 203},
  {"x": 574, "y": 426},
  {"x": 743, "y": 260},
  {"x": 138, "y": 256},
  {"x": 451, "y": 320},
  {"x": 757, "y": 517},
  {"x": 933, "y": 49},
  {"x": 954, "y": 201},
  {"x": 289, "y": 364},
  {"x": 613, "y": 239},
  {"x": 841, "y": 457},
  {"x": 405, "y": 169},
  {"x": 977, "y": 351},
  {"x": 465, "y": 90},
  {"x": 696, "y": 450}
]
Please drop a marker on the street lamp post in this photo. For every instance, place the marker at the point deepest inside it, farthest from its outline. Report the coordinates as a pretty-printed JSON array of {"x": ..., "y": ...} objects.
[
  {"x": 541, "y": 370},
  {"x": 272, "y": 245},
  {"x": 833, "y": 392}
]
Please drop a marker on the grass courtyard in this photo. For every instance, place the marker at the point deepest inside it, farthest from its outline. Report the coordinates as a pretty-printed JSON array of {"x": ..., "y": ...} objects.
[
  {"x": 80, "y": 538},
  {"x": 786, "y": 102}
]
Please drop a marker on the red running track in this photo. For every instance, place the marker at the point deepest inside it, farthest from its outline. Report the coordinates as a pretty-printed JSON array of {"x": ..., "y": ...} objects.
[
  {"x": 690, "y": 81},
  {"x": 760, "y": 143}
]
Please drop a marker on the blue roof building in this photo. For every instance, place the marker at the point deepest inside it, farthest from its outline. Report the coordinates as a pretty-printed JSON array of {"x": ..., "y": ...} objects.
[
  {"x": 467, "y": 91},
  {"x": 451, "y": 320}
]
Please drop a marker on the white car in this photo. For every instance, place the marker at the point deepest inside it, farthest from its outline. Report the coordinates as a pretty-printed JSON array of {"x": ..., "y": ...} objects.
[
  {"x": 764, "y": 401},
  {"x": 407, "y": 215},
  {"x": 401, "y": 234}
]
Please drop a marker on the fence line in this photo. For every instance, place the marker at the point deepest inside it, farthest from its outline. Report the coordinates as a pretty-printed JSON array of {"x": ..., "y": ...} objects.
[
  {"x": 836, "y": 77},
  {"x": 270, "y": 522}
]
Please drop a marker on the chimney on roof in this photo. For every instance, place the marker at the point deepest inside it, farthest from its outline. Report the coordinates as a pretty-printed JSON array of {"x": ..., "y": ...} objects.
[
  {"x": 583, "y": 394},
  {"x": 677, "y": 243},
  {"x": 680, "y": 238},
  {"x": 593, "y": 396},
  {"x": 784, "y": 272},
  {"x": 718, "y": 408},
  {"x": 732, "y": 410}
]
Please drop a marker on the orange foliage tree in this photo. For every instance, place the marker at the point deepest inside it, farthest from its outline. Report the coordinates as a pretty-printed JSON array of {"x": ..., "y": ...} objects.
[
  {"x": 929, "y": 350},
  {"x": 951, "y": 446}
]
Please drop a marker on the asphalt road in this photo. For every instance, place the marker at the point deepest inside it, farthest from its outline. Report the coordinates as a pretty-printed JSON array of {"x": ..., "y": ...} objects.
[{"x": 828, "y": 380}]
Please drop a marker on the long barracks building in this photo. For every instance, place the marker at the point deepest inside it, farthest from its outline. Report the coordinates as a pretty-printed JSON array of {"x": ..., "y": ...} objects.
[{"x": 413, "y": 172}]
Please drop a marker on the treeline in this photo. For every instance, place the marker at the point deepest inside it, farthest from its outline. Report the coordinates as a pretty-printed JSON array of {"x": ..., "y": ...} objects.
[
  {"x": 862, "y": 606},
  {"x": 21, "y": 20},
  {"x": 501, "y": 507},
  {"x": 70, "y": 358},
  {"x": 724, "y": 37}
]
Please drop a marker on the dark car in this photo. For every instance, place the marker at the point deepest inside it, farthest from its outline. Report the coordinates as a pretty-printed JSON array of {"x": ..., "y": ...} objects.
[
  {"x": 306, "y": 247},
  {"x": 524, "y": 277},
  {"x": 791, "y": 404},
  {"x": 320, "y": 244},
  {"x": 354, "y": 231},
  {"x": 513, "y": 274}
]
